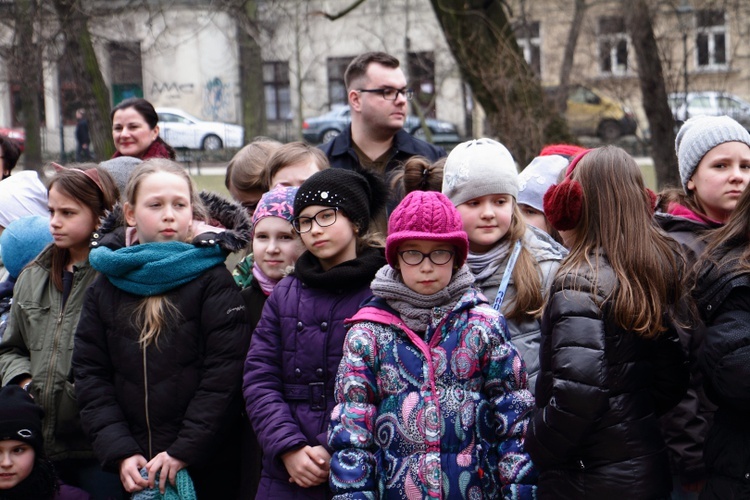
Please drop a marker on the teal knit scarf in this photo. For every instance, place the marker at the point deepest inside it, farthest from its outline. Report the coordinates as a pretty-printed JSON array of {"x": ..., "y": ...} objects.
[{"x": 154, "y": 268}]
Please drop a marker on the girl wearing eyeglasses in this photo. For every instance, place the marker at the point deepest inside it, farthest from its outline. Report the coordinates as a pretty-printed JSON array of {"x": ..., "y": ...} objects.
[
  {"x": 297, "y": 345},
  {"x": 431, "y": 394}
]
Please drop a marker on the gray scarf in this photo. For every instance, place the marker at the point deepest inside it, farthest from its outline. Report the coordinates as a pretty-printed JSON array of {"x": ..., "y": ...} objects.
[
  {"x": 484, "y": 265},
  {"x": 416, "y": 309}
]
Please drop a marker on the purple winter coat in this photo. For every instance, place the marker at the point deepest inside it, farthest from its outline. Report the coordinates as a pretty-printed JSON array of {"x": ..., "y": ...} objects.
[{"x": 291, "y": 367}]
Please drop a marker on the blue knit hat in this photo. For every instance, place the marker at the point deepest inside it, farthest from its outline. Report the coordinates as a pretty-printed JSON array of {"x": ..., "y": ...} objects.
[{"x": 22, "y": 241}]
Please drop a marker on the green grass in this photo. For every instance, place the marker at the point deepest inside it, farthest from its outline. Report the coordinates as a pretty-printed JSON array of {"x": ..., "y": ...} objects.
[{"x": 213, "y": 183}]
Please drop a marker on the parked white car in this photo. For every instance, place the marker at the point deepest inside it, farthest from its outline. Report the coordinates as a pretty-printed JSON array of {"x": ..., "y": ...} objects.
[
  {"x": 183, "y": 130},
  {"x": 710, "y": 103}
]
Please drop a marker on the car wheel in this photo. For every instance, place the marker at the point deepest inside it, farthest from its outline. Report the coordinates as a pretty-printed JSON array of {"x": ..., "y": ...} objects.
[
  {"x": 328, "y": 135},
  {"x": 609, "y": 130},
  {"x": 211, "y": 143}
]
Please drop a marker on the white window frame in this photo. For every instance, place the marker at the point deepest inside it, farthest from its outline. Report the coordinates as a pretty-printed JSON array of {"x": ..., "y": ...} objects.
[
  {"x": 527, "y": 43},
  {"x": 614, "y": 40},
  {"x": 710, "y": 32}
]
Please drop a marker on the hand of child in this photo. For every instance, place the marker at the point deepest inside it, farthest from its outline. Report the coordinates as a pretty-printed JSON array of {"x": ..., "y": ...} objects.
[
  {"x": 320, "y": 456},
  {"x": 167, "y": 467},
  {"x": 304, "y": 470},
  {"x": 130, "y": 475}
]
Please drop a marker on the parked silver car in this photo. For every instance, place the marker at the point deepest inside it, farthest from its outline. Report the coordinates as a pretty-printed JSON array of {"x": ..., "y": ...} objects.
[
  {"x": 709, "y": 103},
  {"x": 182, "y": 130},
  {"x": 323, "y": 128}
]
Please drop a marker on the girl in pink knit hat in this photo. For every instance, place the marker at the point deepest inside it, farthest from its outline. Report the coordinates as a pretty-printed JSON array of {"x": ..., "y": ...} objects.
[{"x": 431, "y": 395}]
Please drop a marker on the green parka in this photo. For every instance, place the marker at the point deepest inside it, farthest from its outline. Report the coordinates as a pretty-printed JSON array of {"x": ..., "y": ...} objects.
[{"x": 38, "y": 342}]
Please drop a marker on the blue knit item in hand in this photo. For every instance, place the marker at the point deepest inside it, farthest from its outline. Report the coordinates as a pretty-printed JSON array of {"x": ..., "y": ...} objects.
[{"x": 183, "y": 489}]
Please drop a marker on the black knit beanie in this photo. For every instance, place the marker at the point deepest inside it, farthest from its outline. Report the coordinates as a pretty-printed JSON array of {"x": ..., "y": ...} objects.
[
  {"x": 360, "y": 195},
  {"x": 20, "y": 418}
]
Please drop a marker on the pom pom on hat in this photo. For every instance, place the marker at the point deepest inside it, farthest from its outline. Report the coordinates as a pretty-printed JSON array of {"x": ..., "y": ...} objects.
[
  {"x": 278, "y": 202},
  {"x": 478, "y": 168},
  {"x": 699, "y": 135},
  {"x": 20, "y": 417},
  {"x": 360, "y": 195},
  {"x": 22, "y": 241},
  {"x": 426, "y": 215}
]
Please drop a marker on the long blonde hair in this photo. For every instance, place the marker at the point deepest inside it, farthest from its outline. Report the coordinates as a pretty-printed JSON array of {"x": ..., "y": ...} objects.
[
  {"x": 616, "y": 218},
  {"x": 529, "y": 300},
  {"x": 154, "y": 314}
]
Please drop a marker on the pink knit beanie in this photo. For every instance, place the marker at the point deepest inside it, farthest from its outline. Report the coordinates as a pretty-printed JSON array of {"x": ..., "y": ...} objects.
[{"x": 426, "y": 215}]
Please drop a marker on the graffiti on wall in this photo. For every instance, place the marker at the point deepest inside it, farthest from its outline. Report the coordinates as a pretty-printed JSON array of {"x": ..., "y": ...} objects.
[
  {"x": 217, "y": 98},
  {"x": 171, "y": 90}
]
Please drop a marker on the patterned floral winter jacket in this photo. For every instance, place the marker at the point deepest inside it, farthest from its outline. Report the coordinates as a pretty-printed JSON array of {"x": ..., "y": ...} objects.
[{"x": 441, "y": 418}]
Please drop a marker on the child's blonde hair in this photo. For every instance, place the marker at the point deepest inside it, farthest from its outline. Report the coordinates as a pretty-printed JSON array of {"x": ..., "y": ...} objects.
[
  {"x": 246, "y": 168},
  {"x": 290, "y": 154},
  {"x": 154, "y": 313}
]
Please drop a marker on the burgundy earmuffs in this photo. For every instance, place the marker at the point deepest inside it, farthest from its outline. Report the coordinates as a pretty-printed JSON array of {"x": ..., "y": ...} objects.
[{"x": 563, "y": 203}]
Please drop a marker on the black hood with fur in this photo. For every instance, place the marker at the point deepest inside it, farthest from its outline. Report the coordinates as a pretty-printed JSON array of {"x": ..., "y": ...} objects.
[{"x": 221, "y": 213}]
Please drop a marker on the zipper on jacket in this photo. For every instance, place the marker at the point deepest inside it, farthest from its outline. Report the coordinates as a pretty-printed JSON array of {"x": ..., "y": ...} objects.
[
  {"x": 46, "y": 399},
  {"x": 145, "y": 397}
]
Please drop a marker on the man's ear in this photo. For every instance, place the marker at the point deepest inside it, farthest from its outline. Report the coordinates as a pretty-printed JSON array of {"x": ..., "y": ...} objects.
[{"x": 355, "y": 100}]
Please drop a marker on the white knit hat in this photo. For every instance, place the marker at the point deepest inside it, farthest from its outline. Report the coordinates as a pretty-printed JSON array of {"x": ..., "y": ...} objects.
[
  {"x": 22, "y": 194},
  {"x": 477, "y": 168},
  {"x": 699, "y": 135},
  {"x": 537, "y": 177}
]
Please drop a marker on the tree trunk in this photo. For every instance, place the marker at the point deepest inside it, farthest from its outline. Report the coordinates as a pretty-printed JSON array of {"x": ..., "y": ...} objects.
[
  {"x": 653, "y": 92},
  {"x": 92, "y": 91},
  {"x": 251, "y": 75},
  {"x": 482, "y": 42},
  {"x": 26, "y": 58},
  {"x": 561, "y": 97}
]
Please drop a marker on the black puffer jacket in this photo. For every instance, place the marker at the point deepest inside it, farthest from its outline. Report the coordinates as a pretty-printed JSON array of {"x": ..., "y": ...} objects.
[
  {"x": 685, "y": 426},
  {"x": 600, "y": 390},
  {"x": 183, "y": 396},
  {"x": 723, "y": 299}
]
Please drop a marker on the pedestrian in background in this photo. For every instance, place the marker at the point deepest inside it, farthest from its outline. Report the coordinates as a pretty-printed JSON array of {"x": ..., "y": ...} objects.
[{"x": 83, "y": 139}]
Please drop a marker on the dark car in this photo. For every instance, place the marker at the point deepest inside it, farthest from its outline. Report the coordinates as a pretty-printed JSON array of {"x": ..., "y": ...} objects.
[
  {"x": 17, "y": 134},
  {"x": 323, "y": 128}
]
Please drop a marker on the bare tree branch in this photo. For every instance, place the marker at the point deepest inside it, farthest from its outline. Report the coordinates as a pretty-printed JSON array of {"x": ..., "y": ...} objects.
[{"x": 342, "y": 13}]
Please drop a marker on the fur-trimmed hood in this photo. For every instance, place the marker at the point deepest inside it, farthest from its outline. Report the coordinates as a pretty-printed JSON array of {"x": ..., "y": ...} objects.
[{"x": 228, "y": 226}]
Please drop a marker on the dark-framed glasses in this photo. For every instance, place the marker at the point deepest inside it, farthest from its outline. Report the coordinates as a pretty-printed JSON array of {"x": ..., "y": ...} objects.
[
  {"x": 437, "y": 257},
  {"x": 324, "y": 218},
  {"x": 390, "y": 94}
]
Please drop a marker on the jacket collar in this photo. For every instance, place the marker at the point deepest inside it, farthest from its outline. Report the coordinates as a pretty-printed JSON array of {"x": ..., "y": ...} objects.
[{"x": 402, "y": 142}]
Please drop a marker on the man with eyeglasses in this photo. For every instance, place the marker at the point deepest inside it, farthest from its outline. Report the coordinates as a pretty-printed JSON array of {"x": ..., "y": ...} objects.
[{"x": 376, "y": 140}]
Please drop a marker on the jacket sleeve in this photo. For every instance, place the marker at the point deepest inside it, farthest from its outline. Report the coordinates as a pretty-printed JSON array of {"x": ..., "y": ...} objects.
[
  {"x": 263, "y": 386},
  {"x": 506, "y": 387},
  {"x": 15, "y": 362},
  {"x": 572, "y": 355},
  {"x": 671, "y": 376},
  {"x": 353, "y": 463},
  {"x": 225, "y": 331},
  {"x": 725, "y": 356},
  {"x": 101, "y": 416}
]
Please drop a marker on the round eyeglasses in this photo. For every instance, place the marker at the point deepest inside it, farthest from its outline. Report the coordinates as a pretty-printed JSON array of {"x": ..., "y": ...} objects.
[
  {"x": 437, "y": 257},
  {"x": 324, "y": 218},
  {"x": 390, "y": 94}
]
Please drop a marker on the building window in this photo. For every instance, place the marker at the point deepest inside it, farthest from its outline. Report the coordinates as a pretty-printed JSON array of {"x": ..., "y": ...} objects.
[
  {"x": 277, "y": 91},
  {"x": 126, "y": 71},
  {"x": 527, "y": 37},
  {"x": 613, "y": 46},
  {"x": 337, "y": 95},
  {"x": 711, "y": 40},
  {"x": 421, "y": 68}
]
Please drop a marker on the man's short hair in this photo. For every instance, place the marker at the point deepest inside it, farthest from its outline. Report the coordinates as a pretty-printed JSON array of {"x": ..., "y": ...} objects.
[{"x": 358, "y": 67}]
